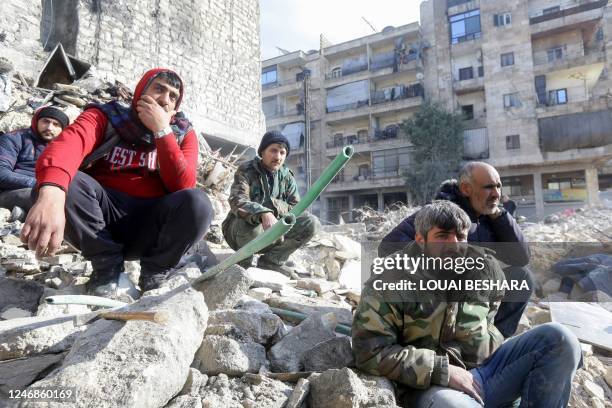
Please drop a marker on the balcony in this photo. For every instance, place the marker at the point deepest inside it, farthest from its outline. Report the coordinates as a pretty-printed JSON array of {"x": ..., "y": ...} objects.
[
  {"x": 544, "y": 63},
  {"x": 568, "y": 17},
  {"x": 373, "y": 141},
  {"x": 468, "y": 85},
  {"x": 284, "y": 115},
  {"x": 284, "y": 87},
  {"x": 367, "y": 180}
]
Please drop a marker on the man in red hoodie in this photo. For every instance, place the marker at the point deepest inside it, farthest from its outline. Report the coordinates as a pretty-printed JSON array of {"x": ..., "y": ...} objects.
[{"x": 125, "y": 177}]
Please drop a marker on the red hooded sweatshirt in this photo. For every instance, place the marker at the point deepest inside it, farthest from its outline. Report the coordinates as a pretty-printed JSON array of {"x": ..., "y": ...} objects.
[{"x": 133, "y": 170}]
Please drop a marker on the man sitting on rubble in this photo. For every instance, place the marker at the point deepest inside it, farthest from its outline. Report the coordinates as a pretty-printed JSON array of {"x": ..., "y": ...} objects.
[
  {"x": 19, "y": 151},
  {"x": 478, "y": 192},
  {"x": 134, "y": 197},
  {"x": 444, "y": 346},
  {"x": 264, "y": 190}
]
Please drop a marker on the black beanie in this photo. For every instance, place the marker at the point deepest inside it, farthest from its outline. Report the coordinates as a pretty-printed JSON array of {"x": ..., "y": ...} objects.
[
  {"x": 54, "y": 113},
  {"x": 272, "y": 136}
]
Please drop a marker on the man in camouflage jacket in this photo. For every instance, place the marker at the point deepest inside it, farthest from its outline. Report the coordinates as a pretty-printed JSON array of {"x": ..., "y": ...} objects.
[
  {"x": 444, "y": 346},
  {"x": 264, "y": 190}
]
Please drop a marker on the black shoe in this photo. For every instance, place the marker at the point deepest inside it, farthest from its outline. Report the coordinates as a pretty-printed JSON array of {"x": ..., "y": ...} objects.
[
  {"x": 263, "y": 263},
  {"x": 151, "y": 282}
]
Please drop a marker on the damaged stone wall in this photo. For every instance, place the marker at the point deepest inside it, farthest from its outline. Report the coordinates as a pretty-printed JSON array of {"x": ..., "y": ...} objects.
[{"x": 213, "y": 45}]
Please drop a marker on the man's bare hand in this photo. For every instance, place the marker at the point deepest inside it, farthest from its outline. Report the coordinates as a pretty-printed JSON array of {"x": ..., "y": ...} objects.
[
  {"x": 43, "y": 230},
  {"x": 152, "y": 115},
  {"x": 267, "y": 220},
  {"x": 463, "y": 380}
]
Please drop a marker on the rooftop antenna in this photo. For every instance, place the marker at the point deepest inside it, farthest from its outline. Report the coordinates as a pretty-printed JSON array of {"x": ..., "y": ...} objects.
[
  {"x": 283, "y": 51},
  {"x": 370, "y": 24}
]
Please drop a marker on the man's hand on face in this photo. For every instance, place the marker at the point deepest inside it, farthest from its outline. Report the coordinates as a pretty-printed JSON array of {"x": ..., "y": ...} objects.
[
  {"x": 152, "y": 115},
  {"x": 462, "y": 380},
  {"x": 43, "y": 230},
  {"x": 495, "y": 212},
  {"x": 267, "y": 220}
]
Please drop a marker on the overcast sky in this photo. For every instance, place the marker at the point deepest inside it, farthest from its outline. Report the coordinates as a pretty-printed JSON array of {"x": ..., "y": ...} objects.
[{"x": 296, "y": 24}]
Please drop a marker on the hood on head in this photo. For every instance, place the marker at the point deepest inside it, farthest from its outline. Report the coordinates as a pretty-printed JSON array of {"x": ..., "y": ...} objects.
[
  {"x": 147, "y": 78},
  {"x": 449, "y": 190}
]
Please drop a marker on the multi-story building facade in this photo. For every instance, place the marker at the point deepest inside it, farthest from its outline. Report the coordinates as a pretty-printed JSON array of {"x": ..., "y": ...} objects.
[{"x": 531, "y": 78}]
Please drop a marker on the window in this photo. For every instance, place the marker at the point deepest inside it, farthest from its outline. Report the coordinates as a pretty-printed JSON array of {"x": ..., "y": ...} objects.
[
  {"x": 338, "y": 139},
  {"x": 351, "y": 139},
  {"x": 554, "y": 54},
  {"x": 507, "y": 59},
  {"x": 557, "y": 97},
  {"x": 362, "y": 135},
  {"x": 502, "y": 19},
  {"x": 336, "y": 72},
  {"x": 268, "y": 75},
  {"x": 511, "y": 100},
  {"x": 466, "y": 73},
  {"x": 468, "y": 112},
  {"x": 551, "y": 10},
  {"x": 465, "y": 26},
  {"x": 481, "y": 71},
  {"x": 452, "y": 3},
  {"x": 513, "y": 142},
  {"x": 599, "y": 36}
]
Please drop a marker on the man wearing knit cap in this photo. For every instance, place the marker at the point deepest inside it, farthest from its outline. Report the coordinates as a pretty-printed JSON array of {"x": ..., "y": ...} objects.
[
  {"x": 19, "y": 151},
  {"x": 121, "y": 181},
  {"x": 264, "y": 190}
]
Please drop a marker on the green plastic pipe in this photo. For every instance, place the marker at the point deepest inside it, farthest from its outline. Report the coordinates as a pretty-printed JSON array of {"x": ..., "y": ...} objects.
[
  {"x": 83, "y": 300},
  {"x": 264, "y": 240},
  {"x": 326, "y": 177},
  {"x": 289, "y": 314}
]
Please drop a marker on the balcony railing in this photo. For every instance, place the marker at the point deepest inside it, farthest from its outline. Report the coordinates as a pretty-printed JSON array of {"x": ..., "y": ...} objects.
[
  {"x": 565, "y": 9},
  {"x": 396, "y": 93},
  {"x": 377, "y": 135},
  {"x": 281, "y": 112}
]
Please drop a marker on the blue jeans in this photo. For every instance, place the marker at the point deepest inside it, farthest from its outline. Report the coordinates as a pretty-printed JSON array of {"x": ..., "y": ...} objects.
[
  {"x": 536, "y": 366},
  {"x": 514, "y": 303}
]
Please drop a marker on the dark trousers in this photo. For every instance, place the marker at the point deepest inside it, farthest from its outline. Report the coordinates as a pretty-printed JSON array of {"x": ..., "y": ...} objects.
[
  {"x": 512, "y": 307},
  {"x": 109, "y": 227},
  {"x": 20, "y": 198}
]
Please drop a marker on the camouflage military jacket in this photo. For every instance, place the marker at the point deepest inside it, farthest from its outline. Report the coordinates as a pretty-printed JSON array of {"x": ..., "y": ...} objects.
[
  {"x": 251, "y": 195},
  {"x": 413, "y": 342}
]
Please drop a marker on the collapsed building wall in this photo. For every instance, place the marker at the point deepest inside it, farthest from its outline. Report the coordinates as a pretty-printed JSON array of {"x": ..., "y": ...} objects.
[{"x": 213, "y": 45}]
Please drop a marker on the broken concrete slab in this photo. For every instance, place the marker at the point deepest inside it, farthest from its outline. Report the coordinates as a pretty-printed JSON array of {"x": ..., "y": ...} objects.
[
  {"x": 589, "y": 322},
  {"x": 318, "y": 285},
  {"x": 185, "y": 401},
  {"x": 19, "y": 373},
  {"x": 333, "y": 353},
  {"x": 299, "y": 394},
  {"x": 351, "y": 248},
  {"x": 345, "y": 389},
  {"x": 36, "y": 335},
  {"x": 286, "y": 355},
  {"x": 240, "y": 393},
  {"x": 221, "y": 354},
  {"x": 260, "y": 293},
  {"x": 262, "y": 328},
  {"x": 225, "y": 290},
  {"x": 195, "y": 381},
  {"x": 14, "y": 313},
  {"x": 264, "y": 278},
  {"x": 134, "y": 363},
  {"x": 350, "y": 275},
  {"x": 310, "y": 306},
  {"x": 19, "y": 293}
]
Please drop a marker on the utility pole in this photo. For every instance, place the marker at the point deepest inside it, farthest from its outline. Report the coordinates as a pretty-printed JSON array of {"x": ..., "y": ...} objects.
[{"x": 306, "y": 85}]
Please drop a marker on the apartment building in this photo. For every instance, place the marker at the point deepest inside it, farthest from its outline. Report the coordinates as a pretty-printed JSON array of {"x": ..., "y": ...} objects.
[{"x": 530, "y": 76}]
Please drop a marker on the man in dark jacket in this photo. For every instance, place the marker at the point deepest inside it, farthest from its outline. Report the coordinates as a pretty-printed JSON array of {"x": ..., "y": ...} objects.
[
  {"x": 478, "y": 192},
  {"x": 137, "y": 200},
  {"x": 19, "y": 151},
  {"x": 264, "y": 190}
]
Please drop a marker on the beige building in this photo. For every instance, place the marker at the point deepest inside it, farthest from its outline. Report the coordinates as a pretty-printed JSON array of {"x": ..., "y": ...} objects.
[{"x": 531, "y": 77}]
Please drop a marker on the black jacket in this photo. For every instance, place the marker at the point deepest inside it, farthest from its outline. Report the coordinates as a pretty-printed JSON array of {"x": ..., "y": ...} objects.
[{"x": 485, "y": 230}]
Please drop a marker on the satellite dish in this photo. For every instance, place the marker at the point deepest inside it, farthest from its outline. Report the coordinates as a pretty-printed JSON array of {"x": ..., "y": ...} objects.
[
  {"x": 419, "y": 76},
  {"x": 388, "y": 29}
]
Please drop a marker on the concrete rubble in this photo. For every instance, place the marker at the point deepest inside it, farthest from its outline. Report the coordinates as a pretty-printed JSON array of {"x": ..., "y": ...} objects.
[{"x": 223, "y": 345}]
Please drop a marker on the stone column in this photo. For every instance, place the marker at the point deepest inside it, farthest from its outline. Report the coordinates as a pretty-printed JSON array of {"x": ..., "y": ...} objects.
[
  {"x": 539, "y": 196},
  {"x": 351, "y": 201},
  {"x": 381, "y": 201},
  {"x": 592, "y": 186}
]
